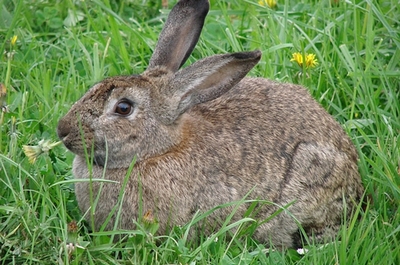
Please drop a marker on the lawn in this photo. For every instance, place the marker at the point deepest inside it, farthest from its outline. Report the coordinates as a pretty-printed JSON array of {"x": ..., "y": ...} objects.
[{"x": 52, "y": 53}]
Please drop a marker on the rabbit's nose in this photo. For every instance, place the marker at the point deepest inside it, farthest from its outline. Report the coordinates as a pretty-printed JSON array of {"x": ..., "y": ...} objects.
[{"x": 63, "y": 128}]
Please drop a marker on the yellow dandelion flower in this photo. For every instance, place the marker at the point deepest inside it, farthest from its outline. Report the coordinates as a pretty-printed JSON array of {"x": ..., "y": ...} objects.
[
  {"x": 298, "y": 58},
  {"x": 309, "y": 60},
  {"x": 33, "y": 152},
  {"x": 270, "y": 3},
  {"x": 14, "y": 40}
]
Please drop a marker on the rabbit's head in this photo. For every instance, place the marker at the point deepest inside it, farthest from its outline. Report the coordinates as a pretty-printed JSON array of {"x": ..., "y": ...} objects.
[{"x": 139, "y": 116}]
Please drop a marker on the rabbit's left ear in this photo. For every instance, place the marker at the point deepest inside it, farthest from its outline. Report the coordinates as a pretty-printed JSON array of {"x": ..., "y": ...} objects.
[
  {"x": 180, "y": 34},
  {"x": 203, "y": 81}
]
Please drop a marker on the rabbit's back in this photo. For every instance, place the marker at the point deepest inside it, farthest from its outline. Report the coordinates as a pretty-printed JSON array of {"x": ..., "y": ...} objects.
[{"x": 260, "y": 119}]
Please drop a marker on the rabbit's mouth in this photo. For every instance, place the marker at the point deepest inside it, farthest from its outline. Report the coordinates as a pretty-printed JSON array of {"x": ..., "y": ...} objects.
[{"x": 99, "y": 160}]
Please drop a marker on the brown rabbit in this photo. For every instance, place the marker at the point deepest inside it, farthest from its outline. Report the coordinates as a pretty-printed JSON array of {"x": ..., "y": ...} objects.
[{"x": 206, "y": 135}]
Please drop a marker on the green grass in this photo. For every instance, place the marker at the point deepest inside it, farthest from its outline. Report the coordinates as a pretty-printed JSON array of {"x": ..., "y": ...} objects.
[{"x": 63, "y": 49}]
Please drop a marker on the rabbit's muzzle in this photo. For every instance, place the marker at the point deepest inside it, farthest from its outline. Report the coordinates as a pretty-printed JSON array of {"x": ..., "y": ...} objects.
[
  {"x": 63, "y": 129},
  {"x": 75, "y": 138}
]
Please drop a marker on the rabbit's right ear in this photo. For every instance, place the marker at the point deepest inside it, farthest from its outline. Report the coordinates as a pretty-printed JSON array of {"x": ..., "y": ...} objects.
[
  {"x": 203, "y": 81},
  {"x": 180, "y": 34}
]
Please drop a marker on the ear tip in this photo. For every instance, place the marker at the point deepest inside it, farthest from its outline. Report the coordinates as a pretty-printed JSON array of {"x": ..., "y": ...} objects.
[
  {"x": 203, "y": 7},
  {"x": 253, "y": 55},
  {"x": 200, "y": 5},
  {"x": 257, "y": 54}
]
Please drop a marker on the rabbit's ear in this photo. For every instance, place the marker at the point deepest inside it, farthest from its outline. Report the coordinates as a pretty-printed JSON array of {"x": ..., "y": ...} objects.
[
  {"x": 180, "y": 34},
  {"x": 203, "y": 81}
]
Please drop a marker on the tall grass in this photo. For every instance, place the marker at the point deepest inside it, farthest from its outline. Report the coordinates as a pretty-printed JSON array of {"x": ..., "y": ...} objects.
[{"x": 64, "y": 48}]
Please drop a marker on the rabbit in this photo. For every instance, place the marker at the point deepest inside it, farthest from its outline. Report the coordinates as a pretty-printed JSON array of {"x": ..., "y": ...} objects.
[{"x": 206, "y": 135}]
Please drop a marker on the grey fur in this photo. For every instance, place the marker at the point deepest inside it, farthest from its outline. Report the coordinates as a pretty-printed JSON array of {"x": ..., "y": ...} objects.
[{"x": 204, "y": 136}]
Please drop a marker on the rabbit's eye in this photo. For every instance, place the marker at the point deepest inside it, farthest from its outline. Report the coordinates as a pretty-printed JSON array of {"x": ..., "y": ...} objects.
[{"x": 123, "y": 108}]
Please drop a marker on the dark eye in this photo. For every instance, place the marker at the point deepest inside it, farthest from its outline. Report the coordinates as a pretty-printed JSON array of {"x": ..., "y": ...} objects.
[{"x": 123, "y": 108}]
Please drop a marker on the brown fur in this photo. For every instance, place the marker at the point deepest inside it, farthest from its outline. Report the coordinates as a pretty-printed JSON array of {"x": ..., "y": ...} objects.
[{"x": 204, "y": 136}]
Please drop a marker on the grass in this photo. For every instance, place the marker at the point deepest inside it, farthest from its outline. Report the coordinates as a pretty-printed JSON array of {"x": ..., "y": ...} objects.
[{"x": 63, "y": 49}]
